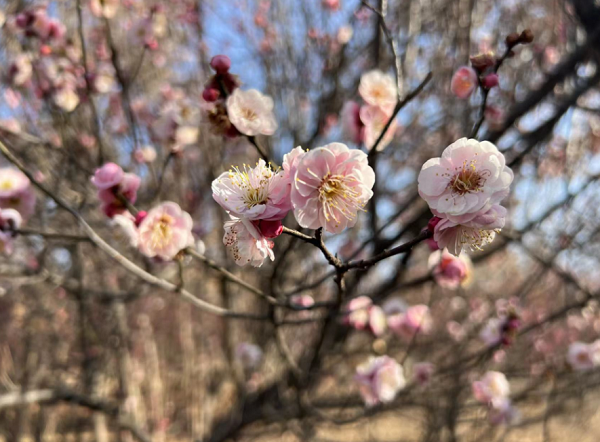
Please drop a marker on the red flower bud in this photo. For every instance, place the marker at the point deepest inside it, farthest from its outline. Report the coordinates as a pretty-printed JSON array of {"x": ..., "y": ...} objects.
[
  {"x": 526, "y": 36},
  {"x": 490, "y": 81},
  {"x": 432, "y": 223},
  {"x": 270, "y": 229},
  {"x": 210, "y": 94},
  {"x": 220, "y": 63},
  {"x": 140, "y": 217}
]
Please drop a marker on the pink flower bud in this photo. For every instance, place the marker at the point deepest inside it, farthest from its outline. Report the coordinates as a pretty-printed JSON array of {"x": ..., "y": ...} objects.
[
  {"x": 139, "y": 217},
  {"x": 464, "y": 82},
  {"x": 490, "y": 81},
  {"x": 432, "y": 223},
  {"x": 220, "y": 63},
  {"x": 270, "y": 229},
  {"x": 210, "y": 95},
  {"x": 109, "y": 175}
]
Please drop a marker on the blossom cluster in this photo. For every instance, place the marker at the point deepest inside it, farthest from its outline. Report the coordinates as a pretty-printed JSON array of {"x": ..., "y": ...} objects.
[
  {"x": 325, "y": 188},
  {"x": 379, "y": 380},
  {"x": 115, "y": 188},
  {"x": 493, "y": 390},
  {"x": 17, "y": 203},
  {"x": 364, "y": 124},
  {"x": 463, "y": 189},
  {"x": 582, "y": 356}
]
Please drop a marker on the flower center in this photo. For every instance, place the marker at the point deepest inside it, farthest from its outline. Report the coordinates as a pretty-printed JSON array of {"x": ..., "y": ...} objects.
[
  {"x": 468, "y": 179},
  {"x": 475, "y": 239},
  {"x": 249, "y": 114},
  {"x": 162, "y": 232},
  {"x": 253, "y": 184},
  {"x": 6, "y": 185},
  {"x": 336, "y": 194}
]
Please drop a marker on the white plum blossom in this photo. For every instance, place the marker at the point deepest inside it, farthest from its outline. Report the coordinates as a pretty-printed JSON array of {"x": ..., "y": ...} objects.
[
  {"x": 253, "y": 193},
  {"x": 246, "y": 243},
  {"x": 251, "y": 112},
  {"x": 125, "y": 224},
  {"x": 492, "y": 389},
  {"x": 378, "y": 89},
  {"x": 582, "y": 356},
  {"x": 379, "y": 380},
  {"x": 469, "y": 177}
]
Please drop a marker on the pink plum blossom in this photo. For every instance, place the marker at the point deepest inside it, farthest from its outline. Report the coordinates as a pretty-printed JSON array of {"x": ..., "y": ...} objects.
[
  {"x": 16, "y": 192},
  {"x": 379, "y": 380},
  {"x": 417, "y": 318},
  {"x": 492, "y": 389},
  {"x": 469, "y": 176},
  {"x": 491, "y": 333},
  {"x": 251, "y": 112},
  {"x": 358, "y": 312},
  {"x": 111, "y": 197},
  {"x": 10, "y": 220},
  {"x": 378, "y": 89},
  {"x": 246, "y": 243},
  {"x": 302, "y": 301},
  {"x": 253, "y": 193},
  {"x": 165, "y": 231},
  {"x": 582, "y": 356},
  {"x": 146, "y": 154},
  {"x": 374, "y": 119},
  {"x": 107, "y": 176},
  {"x": 450, "y": 271},
  {"x": 472, "y": 235},
  {"x": 331, "y": 185},
  {"x": 352, "y": 126},
  {"x": 290, "y": 163},
  {"x": 464, "y": 82}
]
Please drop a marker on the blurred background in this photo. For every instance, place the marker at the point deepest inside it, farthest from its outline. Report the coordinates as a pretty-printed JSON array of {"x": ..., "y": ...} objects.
[{"x": 91, "y": 352}]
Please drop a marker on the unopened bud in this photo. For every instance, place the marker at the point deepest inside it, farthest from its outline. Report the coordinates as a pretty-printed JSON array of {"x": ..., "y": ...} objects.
[
  {"x": 526, "y": 36},
  {"x": 210, "y": 94},
  {"x": 481, "y": 62},
  {"x": 220, "y": 63},
  {"x": 490, "y": 81},
  {"x": 512, "y": 39}
]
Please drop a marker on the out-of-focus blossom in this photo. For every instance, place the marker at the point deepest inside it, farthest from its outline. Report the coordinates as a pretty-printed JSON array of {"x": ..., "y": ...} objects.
[
  {"x": 21, "y": 70},
  {"x": 165, "y": 231},
  {"x": 344, "y": 35},
  {"x": 450, "y": 271},
  {"x": 331, "y": 185},
  {"x": 377, "y": 320},
  {"x": 332, "y": 5},
  {"x": 249, "y": 355},
  {"x": 374, "y": 119},
  {"x": 422, "y": 372},
  {"x": 352, "y": 126},
  {"x": 464, "y": 82},
  {"x": 357, "y": 315},
  {"x": 125, "y": 223},
  {"x": 469, "y": 176},
  {"x": 10, "y": 125},
  {"x": 582, "y": 356},
  {"x": 66, "y": 98},
  {"x": 146, "y": 154},
  {"x": 251, "y": 112},
  {"x": 378, "y": 89},
  {"x": 491, "y": 333},
  {"x": 104, "y": 8},
  {"x": 472, "y": 235},
  {"x": 492, "y": 389},
  {"x": 16, "y": 192},
  {"x": 246, "y": 243},
  {"x": 253, "y": 193},
  {"x": 10, "y": 220},
  {"x": 416, "y": 319},
  {"x": 379, "y": 380},
  {"x": 107, "y": 176},
  {"x": 302, "y": 301}
]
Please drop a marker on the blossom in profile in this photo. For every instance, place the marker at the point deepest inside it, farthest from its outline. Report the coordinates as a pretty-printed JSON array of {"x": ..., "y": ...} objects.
[
  {"x": 332, "y": 184},
  {"x": 378, "y": 89},
  {"x": 165, "y": 231},
  {"x": 416, "y": 319},
  {"x": 251, "y": 112},
  {"x": 290, "y": 163},
  {"x": 464, "y": 81},
  {"x": 16, "y": 192},
  {"x": 492, "y": 389},
  {"x": 246, "y": 243},
  {"x": 353, "y": 129},
  {"x": 469, "y": 176},
  {"x": 374, "y": 119},
  {"x": 472, "y": 235},
  {"x": 126, "y": 228},
  {"x": 10, "y": 220},
  {"x": 450, "y": 271},
  {"x": 107, "y": 176},
  {"x": 253, "y": 193},
  {"x": 379, "y": 380},
  {"x": 582, "y": 356}
]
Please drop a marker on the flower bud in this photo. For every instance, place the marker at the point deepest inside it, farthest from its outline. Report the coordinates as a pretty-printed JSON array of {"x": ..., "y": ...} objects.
[
  {"x": 210, "y": 95},
  {"x": 490, "y": 81},
  {"x": 432, "y": 223},
  {"x": 512, "y": 39},
  {"x": 526, "y": 36},
  {"x": 139, "y": 217},
  {"x": 481, "y": 62},
  {"x": 220, "y": 63},
  {"x": 270, "y": 229}
]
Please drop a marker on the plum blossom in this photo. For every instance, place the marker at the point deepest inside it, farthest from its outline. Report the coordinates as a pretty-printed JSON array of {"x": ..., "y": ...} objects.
[
  {"x": 415, "y": 319},
  {"x": 126, "y": 226},
  {"x": 107, "y": 176},
  {"x": 471, "y": 235},
  {"x": 492, "y": 389},
  {"x": 16, "y": 192},
  {"x": 378, "y": 89},
  {"x": 165, "y": 231},
  {"x": 253, "y": 193},
  {"x": 358, "y": 312},
  {"x": 251, "y": 112},
  {"x": 113, "y": 186},
  {"x": 450, "y": 271},
  {"x": 582, "y": 356},
  {"x": 469, "y": 176},
  {"x": 379, "y": 380},
  {"x": 246, "y": 243},
  {"x": 21, "y": 70},
  {"x": 464, "y": 81},
  {"x": 10, "y": 220},
  {"x": 290, "y": 163},
  {"x": 332, "y": 183},
  {"x": 104, "y": 8},
  {"x": 374, "y": 119}
]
